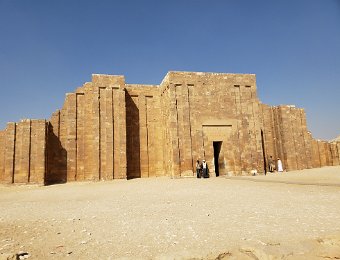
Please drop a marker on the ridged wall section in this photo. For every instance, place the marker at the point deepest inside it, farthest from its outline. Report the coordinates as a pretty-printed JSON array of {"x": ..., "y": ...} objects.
[
  {"x": 23, "y": 152},
  {"x": 108, "y": 129}
]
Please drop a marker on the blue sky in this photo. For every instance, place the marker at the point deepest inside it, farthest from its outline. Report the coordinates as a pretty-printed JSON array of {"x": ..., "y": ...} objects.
[{"x": 48, "y": 48}]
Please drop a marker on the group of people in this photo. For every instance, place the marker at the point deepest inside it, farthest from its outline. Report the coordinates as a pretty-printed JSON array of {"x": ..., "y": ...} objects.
[
  {"x": 272, "y": 165},
  {"x": 202, "y": 169}
]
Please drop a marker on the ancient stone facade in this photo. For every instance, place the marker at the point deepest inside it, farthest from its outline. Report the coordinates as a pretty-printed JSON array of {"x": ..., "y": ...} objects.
[{"x": 108, "y": 129}]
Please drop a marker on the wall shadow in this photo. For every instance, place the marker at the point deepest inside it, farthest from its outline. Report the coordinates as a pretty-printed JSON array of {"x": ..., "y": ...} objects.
[
  {"x": 132, "y": 138},
  {"x": 263, "y": 153},
  {"x": 56, "y": 159}
]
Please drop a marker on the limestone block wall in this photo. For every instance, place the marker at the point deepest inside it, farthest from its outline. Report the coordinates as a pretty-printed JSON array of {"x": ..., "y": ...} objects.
[
  {"x": 337, "y": 145},
  {"x": 322, "y": 146},
  {"x": 286, "y": 136},
  {"x": 144, "y": 131},
  {"x": 323, "y": 153},
  {"x": 23, "y": 152},
  {"x": 291, "y": 138},
  {"x": 2, "y": 155},
  {"x": 108, "y": 129},
  {"x": 87, "y": 137},
  {"x": 203, "y": 108},
  {"x": 170, "y": 138},
  {"x": 170, "y": 134},
  {"x": 268, "y": 134}
]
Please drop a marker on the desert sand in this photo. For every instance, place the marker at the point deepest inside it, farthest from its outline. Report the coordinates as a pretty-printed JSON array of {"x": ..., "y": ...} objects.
[{"x": 291, "y": 215}]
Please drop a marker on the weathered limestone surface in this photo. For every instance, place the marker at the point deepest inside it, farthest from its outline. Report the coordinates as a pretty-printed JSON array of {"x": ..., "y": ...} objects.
[
  {"x": 88, "y": 136},
  {"x": 23, "y": 152},
  {"x": 38, "y": 151},
  {"x": 108, "y": 129},
  {"x": 2, "y": 155},
  {"x": 206, "y": 108}
]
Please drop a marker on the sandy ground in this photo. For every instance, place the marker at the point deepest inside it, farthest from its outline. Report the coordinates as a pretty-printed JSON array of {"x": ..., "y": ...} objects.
[{"x": 294, "y": 215}]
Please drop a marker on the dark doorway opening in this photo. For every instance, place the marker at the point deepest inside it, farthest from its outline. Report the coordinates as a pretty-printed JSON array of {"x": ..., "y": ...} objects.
[{"x": 217, "y": 150}]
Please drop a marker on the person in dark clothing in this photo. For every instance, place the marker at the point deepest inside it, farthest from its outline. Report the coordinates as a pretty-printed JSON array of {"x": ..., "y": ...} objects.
[
  {"x": 198, "y": 169},
  {"x": 205, "y": 169},
  {"x": 271, "y": 164}
]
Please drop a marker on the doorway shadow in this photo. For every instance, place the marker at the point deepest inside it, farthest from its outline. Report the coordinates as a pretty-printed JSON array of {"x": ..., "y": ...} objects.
[{"x": 217, "y": 150}]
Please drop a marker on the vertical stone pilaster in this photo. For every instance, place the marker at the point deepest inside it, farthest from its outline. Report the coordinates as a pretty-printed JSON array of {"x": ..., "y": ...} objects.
[
  {"x": 322, "y": 153},
  {"x": 38, "y": 151},
  {"x": 196, "y": 134},
  {"x": 62, "y": 156},
  {"x": 89, "y": 167},
  {"x": 277, "y": 122},
  {"x": 22, "y": 152},
  {"x": 270, "y": 132},
  {"x": 251, "y": 145},
  {"x": 316, "y": 154},
  {"x": 119, "y": 112},
  {"x": 335, "y": 154},
  {"x": 180, "y": 126},
  {"x": 122, "y": 141},
  {"x": 109, "y": 134},
  {"x": 308, "y": 149},
  {"x": 143, "y": 133},
  {"x": 71, "y": 139},
  {"x": 116, "y": 135},
  {"x": 258, "y": 154},
  {"x": 238, "y": 155},
  {"x": 184, "y": 130},
  {"x": 173, "y": 131},
  {"x": 329, "y": 154},
  {"x": 95, "y": 161},
  {"x": 10, "y": 140},
  {"x": 103, "y": 141},
  {"x": 299, "y": 143},
  {"x": 81, "y": 117},
  {"x": 287, "y": 138},
  {"x": 167, "y": 142},
  {"x": 2, "y": 155},
  {"x": 156, "y": 158}
]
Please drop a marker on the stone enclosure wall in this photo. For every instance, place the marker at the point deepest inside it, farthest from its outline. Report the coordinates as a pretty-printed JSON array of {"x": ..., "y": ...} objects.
[
  {"x": 108, "y": 129},
  {"x": 23, "y": 152}
]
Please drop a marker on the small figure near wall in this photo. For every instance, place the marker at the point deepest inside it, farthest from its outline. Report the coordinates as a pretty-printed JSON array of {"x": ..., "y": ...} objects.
[
  {"x": 279, "y": 165},
  {"x": 271, "y": 164},
  {"x": 198, "y": 169},
  {"x": 205, "y": 169}
]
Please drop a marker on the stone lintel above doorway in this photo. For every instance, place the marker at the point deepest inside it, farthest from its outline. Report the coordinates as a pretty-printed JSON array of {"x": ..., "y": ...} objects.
[
  {"x": 220, "y": 122},
  {"x": 218, "y": 130}
]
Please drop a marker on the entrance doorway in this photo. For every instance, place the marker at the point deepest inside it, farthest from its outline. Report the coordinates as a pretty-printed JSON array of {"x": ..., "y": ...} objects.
[{"x": 217, "y": 150}]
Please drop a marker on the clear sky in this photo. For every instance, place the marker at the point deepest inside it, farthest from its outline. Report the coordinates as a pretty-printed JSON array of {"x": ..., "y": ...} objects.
[{"x": 48, "y": 48}]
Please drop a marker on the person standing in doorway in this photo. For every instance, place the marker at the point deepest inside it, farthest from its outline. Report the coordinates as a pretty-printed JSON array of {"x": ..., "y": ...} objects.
[
  {"x": 198, "y": 169},
  {"x": 279, "y": 165}
]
